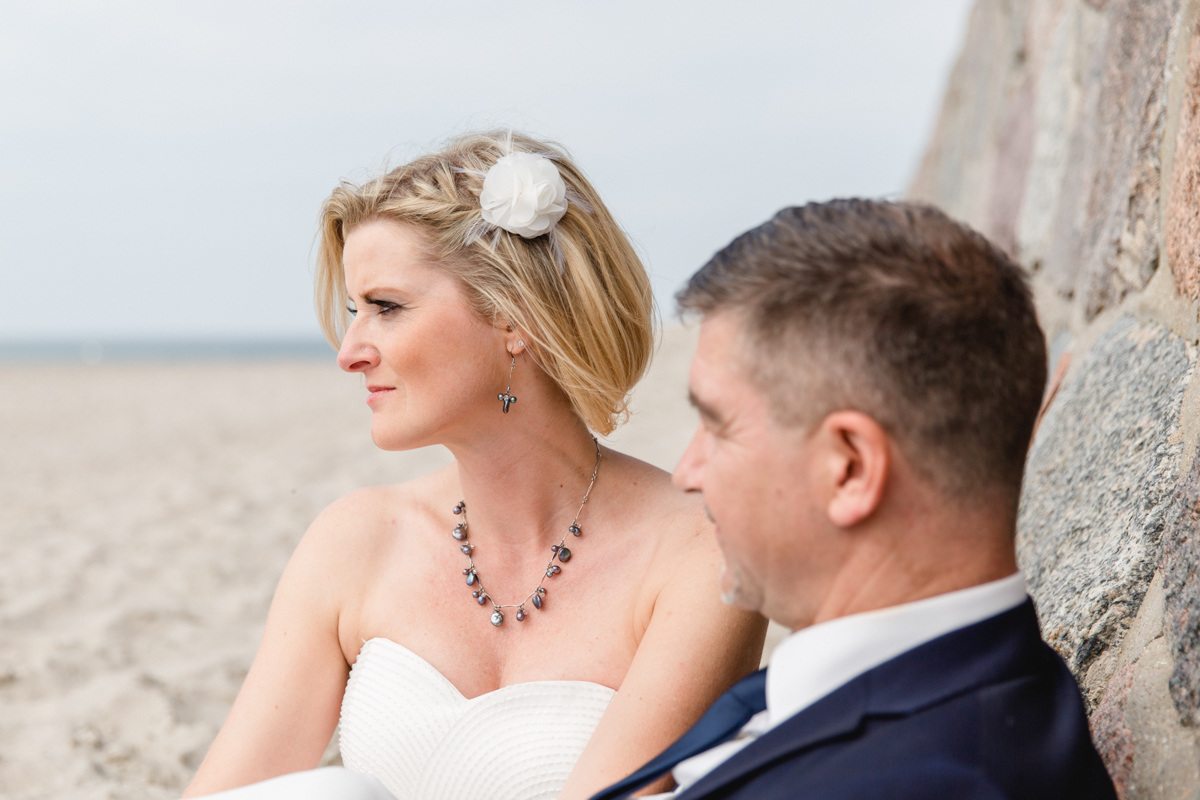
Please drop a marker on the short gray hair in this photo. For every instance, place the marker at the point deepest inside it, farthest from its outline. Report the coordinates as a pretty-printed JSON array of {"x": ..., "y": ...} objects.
[{"x": 895, "y": 310}]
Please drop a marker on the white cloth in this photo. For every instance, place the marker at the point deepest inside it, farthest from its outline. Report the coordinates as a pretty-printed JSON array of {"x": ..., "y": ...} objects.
[
  {"x": 406, "y": 724},
  {"x": 813, "y": 662},
  {"x": 327, "y": 783}
]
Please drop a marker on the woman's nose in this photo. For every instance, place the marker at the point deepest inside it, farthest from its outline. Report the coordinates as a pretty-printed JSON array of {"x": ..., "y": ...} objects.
[{"x": 356, "y": 355}]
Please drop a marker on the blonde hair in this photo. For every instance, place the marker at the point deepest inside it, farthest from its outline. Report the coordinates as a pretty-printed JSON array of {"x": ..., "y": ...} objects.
[{"x": 588, "y": 308}]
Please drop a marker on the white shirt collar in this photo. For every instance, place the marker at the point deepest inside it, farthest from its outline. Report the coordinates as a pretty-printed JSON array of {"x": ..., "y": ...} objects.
[{"x": 814, "y": 661}]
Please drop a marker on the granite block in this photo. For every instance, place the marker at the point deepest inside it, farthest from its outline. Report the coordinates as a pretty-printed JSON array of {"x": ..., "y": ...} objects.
[
  {"x": 959, "y": 165},
  {"x": 1166, "y": 762},
  {"x": 1105, "y": 236},
  {"x": 1059, "y": 93},
  {"x": 1013, "y": 154},
  {"x": 1180, "y": 563},
  {"x": 1110, "y": 729},
  {"x": 1099, "y": 486},
  {"x": 1182, "y": 222}
]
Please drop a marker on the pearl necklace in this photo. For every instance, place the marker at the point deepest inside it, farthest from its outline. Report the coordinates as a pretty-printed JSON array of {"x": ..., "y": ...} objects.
[{"x": 558, "y": 552}]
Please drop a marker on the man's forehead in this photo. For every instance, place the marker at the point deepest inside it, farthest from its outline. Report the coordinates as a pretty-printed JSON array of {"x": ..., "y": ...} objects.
[
  {"x": 721, "y": 336},
  {"x": 719, "y": 374},
  {"x": 724, "y": 340}
]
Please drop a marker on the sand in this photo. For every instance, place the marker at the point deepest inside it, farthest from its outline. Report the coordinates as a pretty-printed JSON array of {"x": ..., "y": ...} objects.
[{"x": 146, "y": 513}]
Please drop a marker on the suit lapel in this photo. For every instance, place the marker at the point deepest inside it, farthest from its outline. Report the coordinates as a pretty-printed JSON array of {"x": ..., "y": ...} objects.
[
  {"x": 994, "y": 650},
  {"x": 835, "y": 715}
]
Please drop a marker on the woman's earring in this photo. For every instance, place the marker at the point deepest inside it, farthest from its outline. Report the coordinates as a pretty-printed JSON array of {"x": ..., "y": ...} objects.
[{"x": 507, "y": 397}]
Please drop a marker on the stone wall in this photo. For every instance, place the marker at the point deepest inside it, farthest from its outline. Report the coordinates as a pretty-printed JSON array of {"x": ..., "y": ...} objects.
[{"x": 1070, "y": 134}]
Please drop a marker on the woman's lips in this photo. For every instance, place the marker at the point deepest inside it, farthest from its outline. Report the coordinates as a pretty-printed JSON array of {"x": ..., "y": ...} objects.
[{"x": 376, "y": 392}]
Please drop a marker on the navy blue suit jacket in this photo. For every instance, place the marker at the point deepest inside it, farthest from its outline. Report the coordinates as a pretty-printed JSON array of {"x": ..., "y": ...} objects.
[{"x": 986, "y": 711}]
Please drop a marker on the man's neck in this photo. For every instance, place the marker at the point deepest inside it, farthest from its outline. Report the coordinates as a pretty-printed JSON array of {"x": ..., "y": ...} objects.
[
  {"x": 896, "y": 564},
  {"x": 883, "y": 587}
]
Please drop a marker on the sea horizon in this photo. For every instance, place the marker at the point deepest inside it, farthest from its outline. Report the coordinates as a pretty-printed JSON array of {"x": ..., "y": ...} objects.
[{"x": 101, "y": 349}]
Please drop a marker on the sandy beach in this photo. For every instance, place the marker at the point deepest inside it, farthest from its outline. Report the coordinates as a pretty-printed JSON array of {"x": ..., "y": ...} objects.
[{"x": 146, "y": 512}]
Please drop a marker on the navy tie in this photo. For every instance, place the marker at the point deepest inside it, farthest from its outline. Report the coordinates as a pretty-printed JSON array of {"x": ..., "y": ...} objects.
[{"x": 720, "y": 723}]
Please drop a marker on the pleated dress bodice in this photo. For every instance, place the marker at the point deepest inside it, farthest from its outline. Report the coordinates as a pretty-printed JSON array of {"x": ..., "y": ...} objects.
[{"x": 405, "y": 723}]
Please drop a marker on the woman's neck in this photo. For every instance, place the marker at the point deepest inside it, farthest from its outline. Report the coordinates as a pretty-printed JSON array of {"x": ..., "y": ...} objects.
[{"x": 524, "y": 481}]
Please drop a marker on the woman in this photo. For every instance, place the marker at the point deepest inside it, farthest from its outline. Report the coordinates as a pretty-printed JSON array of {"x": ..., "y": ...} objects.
[{"x": 497, "y": 309}]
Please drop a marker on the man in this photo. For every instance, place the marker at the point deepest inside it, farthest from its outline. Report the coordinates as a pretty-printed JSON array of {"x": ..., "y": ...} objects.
[{"x": 868, "y": 375}]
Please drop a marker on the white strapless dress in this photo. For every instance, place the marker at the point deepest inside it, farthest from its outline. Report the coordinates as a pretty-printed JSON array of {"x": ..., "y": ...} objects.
[{"x": 405, "y": 724}]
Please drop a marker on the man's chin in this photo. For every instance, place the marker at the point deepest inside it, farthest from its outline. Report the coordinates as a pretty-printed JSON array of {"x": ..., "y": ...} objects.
[{"x": 737, "y": 591}]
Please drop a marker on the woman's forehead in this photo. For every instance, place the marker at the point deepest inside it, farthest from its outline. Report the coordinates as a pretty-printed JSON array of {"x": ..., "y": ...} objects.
[{"x": 381, "y": 255}]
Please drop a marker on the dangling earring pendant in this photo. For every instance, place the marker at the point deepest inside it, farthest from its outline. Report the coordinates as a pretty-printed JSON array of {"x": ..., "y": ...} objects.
[{"x": 507, "y": 396}]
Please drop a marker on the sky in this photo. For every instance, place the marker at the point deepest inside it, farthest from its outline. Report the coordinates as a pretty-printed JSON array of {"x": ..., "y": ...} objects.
[{"x": 162, "y": 164}]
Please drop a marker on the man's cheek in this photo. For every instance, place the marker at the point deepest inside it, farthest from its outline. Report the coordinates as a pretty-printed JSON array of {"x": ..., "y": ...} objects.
[{"x": 727, "y": 583}]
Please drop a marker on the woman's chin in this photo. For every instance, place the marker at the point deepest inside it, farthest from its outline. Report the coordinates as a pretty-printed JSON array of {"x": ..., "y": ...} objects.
[
  {"x": 390, "y": 441},
  {"x": 394, "y": 437}
]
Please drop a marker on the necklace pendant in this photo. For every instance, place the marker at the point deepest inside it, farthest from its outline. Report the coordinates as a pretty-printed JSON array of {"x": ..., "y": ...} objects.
[{"x": 558, "y": 551}]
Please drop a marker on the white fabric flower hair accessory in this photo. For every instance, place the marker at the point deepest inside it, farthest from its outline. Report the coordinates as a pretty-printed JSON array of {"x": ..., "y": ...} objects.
[{"x": 523, "y": 193}]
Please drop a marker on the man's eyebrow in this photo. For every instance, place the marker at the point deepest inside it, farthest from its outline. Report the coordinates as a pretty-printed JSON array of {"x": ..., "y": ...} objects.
[{"x": 704, "y": 408}]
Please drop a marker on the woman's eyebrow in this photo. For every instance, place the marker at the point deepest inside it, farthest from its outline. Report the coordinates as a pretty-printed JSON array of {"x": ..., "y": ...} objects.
[{"x": 371, "y": 295}]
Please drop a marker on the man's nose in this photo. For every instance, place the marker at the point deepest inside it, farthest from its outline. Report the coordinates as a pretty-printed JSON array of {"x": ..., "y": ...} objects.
[
  {"x": 690, "y": 469},
  {"x": 356, "y": 354}
]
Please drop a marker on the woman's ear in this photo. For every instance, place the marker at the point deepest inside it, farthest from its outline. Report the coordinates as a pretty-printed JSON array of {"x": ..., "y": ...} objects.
[
  {"x": 514, "y": 338},
  {"x": 858, "y": 459}
]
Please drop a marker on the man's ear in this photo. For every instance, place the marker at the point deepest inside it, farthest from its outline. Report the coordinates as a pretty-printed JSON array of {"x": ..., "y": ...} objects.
[{"x": 857, "y": 458}]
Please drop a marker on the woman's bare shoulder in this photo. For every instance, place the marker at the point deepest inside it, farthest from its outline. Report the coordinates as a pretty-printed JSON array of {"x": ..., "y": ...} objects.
[
  {"x": 671, "y": 524},
  {"x": 360, "y": 522},
  {"x": 665, "y": 512},
  {"x": 680, "y": 620}
]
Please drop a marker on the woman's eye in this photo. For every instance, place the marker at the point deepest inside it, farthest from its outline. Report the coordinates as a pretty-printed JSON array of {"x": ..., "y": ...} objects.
[{"x": 382, "y": 307}]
